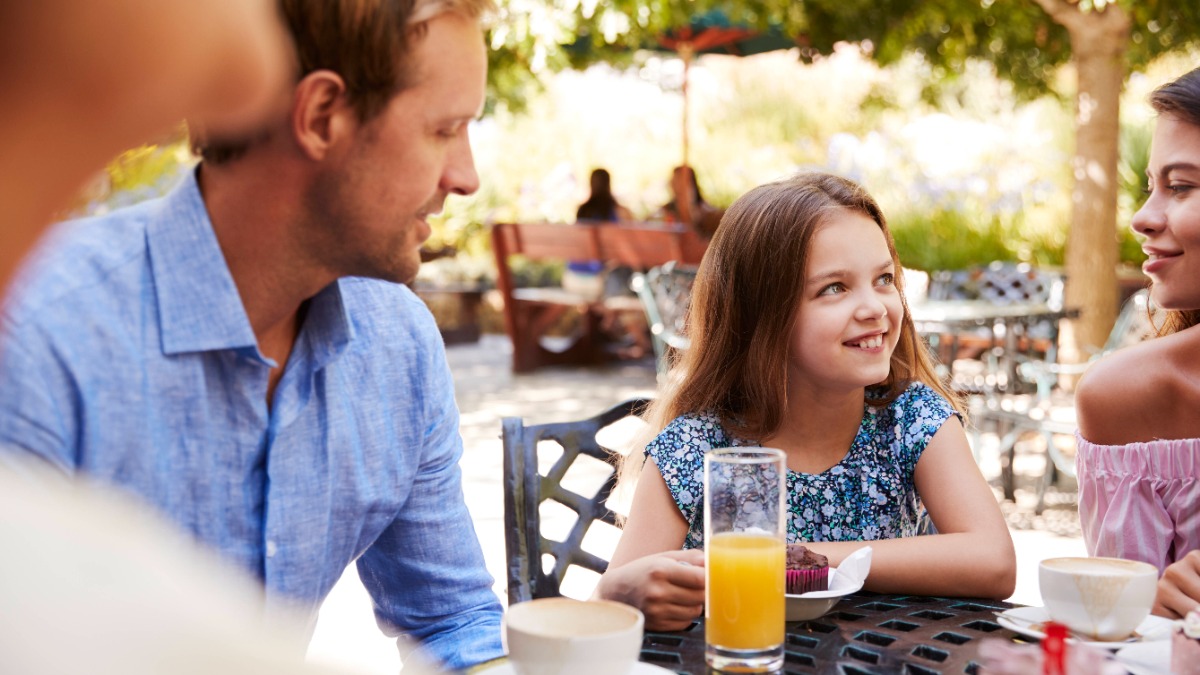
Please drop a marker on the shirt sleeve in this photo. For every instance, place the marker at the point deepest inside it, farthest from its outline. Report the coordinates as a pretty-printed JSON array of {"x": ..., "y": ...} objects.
[
  {"x": 426, "y": 571},
  {"x": 37, "y": 402}
]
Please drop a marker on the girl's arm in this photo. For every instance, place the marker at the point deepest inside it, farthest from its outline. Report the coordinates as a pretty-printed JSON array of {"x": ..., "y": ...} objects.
[
  {"x": 972, "y": 555},
  {"x": 648, "y": 570}
]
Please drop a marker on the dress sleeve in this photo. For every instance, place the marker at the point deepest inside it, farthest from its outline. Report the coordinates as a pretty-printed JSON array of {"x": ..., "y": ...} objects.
[
  {"x": 425, "y": 572},
  {"x": 919, "y": 413},
  {"x": 678, "y": 452}
]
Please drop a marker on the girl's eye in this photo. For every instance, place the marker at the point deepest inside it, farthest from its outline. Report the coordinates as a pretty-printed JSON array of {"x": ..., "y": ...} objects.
[
  {"x": 832, "y": 289},
  {"x": 1179, "y": 189},
  {"x": 887, "y": 279}
]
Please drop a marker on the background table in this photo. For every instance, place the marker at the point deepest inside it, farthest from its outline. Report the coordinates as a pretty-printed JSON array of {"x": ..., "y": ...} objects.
[{"x": 864, "y": 633}]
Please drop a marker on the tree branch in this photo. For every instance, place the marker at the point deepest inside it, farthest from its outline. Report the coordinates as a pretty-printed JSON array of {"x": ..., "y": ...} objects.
[{"x": 1063, "y": 12}]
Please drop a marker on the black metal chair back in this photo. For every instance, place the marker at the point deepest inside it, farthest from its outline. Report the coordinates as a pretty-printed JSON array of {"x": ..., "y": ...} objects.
[
  {"x": 1003, "y": 283},
  {"x": 525, "y": 489}
]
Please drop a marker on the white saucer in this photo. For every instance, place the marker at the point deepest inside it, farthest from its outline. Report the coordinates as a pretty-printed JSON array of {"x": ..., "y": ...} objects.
[
  {"x": 639, "y": 668},
  {"x": 1146, "y": 658},
  {"x": 815, "y": 604},
  {"x": 1025, "y": 621}
]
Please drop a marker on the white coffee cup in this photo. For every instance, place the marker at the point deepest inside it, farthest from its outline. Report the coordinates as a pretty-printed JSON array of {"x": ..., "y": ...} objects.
[
  {"x": 1102, "y": 598},
  {"x": 561, "y": 636}
]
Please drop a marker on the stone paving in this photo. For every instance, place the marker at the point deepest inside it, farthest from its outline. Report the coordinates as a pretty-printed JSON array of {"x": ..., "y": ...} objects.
[{"x": 487, "y": 391}]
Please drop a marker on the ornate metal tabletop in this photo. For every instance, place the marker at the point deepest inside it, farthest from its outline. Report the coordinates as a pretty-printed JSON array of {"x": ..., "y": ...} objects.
[{"x": 864, "y": 633}]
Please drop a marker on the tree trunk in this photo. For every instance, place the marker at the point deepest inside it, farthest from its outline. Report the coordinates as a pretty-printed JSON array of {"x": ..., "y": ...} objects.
[{"x": 1098, "y": 42}]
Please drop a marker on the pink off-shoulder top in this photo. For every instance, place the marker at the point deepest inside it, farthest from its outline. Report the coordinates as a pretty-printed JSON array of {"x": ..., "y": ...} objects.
[{"x": 1140, "y": 501}]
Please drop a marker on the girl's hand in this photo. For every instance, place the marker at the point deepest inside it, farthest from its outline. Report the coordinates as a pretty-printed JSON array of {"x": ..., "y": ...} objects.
[
  {"x": 668, "y": 587},
  {"x": 1179, "y": 588}
]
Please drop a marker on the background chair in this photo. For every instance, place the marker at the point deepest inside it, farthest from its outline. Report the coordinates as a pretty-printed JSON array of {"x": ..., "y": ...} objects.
[
  {"x": 1015, "y": 420},
  {"x": 665, "y": 292},
  {"x": 1133, "y": 325},
  {"x": 536, "y": 563},
  {"x": 981, "y": 358}
]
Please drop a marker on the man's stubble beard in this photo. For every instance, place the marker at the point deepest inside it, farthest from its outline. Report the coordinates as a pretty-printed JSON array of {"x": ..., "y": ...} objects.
[{"x": 335, "y": 234}]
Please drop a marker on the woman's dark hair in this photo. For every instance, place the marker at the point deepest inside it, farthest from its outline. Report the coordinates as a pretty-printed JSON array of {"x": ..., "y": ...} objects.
[
  {"x": 1180, "y": 99},
  {"x": 601, "y": 205}
]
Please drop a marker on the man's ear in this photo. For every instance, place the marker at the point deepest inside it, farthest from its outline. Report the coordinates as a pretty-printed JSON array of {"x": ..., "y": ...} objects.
[{"x": 321, "y": 115}]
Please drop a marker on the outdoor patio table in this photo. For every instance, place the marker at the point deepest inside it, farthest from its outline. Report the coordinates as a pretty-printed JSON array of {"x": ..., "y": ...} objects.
[
  {"x": 864, "y": 633},
  {"x": 938, "y": 318}
]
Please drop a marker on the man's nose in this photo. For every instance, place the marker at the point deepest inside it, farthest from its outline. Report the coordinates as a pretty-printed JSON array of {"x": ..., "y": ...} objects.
[{"x": 460, "y": 177}]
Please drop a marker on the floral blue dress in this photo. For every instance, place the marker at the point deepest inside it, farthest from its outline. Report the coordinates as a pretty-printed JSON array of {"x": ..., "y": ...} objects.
[{"x": 868, "y": 495}]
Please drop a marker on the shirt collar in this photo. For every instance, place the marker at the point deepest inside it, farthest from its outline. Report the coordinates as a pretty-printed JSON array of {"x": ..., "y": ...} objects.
[
  {"x": 199, "y": 306},
  {"x": 327, "y": 327}
]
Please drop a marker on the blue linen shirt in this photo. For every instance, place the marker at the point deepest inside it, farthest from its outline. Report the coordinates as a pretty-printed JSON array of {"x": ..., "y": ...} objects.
[{"x": 127, "y": 355}]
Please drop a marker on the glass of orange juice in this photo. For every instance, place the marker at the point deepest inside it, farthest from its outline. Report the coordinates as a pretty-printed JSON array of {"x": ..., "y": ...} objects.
[{"x": 744, "y": 552}]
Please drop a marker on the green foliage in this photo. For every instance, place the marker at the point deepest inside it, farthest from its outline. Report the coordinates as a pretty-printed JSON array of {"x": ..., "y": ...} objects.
[
  {"x": 146, "y": 165},
  {"x": 534, "y": 37},
  {"x": 1131, "y": 174},
  {"x": 944, "y": 239}
]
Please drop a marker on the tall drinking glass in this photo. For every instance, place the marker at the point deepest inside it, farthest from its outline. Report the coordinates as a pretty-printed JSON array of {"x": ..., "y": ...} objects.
[{"x": 744, "y": 554}]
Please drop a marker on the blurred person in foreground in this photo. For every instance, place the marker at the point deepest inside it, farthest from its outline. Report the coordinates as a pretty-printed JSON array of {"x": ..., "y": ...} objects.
[
  {"x": 1139, "y": 435},
  {"x": 90, "y": 580},
  {"x": 242, "y": 354},
  {"x": 84, "y": 81}
]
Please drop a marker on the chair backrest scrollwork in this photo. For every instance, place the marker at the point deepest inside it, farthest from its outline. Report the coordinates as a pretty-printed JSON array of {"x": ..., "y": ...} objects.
[{"x": 536, "y": 563}]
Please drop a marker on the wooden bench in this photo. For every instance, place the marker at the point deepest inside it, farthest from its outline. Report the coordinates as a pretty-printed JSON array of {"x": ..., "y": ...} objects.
[{"x": 529, "y": 313}]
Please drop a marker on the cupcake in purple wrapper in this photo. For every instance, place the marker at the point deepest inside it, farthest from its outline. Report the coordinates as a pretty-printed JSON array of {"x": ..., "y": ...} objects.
[{"x": 806, "y": 570}]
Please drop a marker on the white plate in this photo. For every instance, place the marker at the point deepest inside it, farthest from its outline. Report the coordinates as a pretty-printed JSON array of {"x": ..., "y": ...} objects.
[
  {"x": 815, "y": 604},
  {"x": 1146, "y": 658},
  {"x": 1152, "y": 629},
  {"x": 639, "y": 668}
]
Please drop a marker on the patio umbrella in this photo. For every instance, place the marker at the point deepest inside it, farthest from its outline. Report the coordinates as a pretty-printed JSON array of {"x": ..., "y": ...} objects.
[{"x": 713, "y": 33}]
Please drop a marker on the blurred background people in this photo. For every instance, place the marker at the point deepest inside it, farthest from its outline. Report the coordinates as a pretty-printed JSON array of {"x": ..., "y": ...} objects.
[
  {"x": 622, "y": 317},
  {"x": 687, "y": 204},
  {"x": 587, "y": 277},
  {"x": 601, "y": 205}
]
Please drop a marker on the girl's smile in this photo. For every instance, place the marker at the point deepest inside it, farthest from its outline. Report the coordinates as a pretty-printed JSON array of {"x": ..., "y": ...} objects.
[
  {"x": 871, "y": 343},
  {"x": 850, "y": 310}
]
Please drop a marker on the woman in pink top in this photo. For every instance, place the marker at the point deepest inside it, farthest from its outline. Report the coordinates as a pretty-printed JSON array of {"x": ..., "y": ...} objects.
[{"x": 1139, "y": 408}]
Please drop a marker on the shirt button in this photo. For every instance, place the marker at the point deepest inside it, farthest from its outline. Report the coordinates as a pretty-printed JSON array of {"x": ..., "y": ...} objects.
[{"x": 271, "y": 549}]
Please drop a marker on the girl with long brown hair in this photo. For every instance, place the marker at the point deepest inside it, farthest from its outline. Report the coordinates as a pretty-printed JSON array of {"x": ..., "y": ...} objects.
[{"x": 801, "y": 340}]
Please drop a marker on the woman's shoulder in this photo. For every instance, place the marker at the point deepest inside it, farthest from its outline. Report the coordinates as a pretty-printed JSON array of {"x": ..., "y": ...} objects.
[
  {"x": 1139, "y": 387},
  {"x": 1115, "y": 377}
]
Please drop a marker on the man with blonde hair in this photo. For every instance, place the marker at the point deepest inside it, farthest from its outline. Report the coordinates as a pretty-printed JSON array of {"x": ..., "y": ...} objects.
[{"x": 242, "y": 354}]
